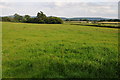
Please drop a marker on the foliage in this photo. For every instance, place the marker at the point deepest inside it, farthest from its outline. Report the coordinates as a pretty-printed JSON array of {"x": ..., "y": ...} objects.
[
  {"x": 40, "y": 18},
  {"x": 7, "y": 19},
  {"x": 26, "y": 18},
  {"x": 67, "y": 20},
  {"x": 18, "y": 18},
  {"x": 54, "y": 20}
]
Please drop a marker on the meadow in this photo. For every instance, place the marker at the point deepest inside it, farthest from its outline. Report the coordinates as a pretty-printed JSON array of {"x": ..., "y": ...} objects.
[
  {"x": 59, "y": 51},
  {"x": 95, "y": 23}
]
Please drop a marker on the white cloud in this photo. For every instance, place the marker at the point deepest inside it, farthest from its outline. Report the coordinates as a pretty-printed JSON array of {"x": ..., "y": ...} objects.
[
  {"x": 65, "y": 9},
  {"x": 59, "y": 0},
  {"x": 59, "y": 4}
]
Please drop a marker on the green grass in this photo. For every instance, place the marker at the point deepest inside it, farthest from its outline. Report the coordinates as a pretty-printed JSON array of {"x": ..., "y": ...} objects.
[
  {"x": 105, "y": 24},
  {"x": 59, "y": 51}
]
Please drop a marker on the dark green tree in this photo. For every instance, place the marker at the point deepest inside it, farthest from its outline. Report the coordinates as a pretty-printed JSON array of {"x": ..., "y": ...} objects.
[
  {"x": 54, "y": 20},
  {"x": 41, "y": 17},
  {"x": 26, "y": 18},
  {"x": 6, "y": 19},
  {"x": 18, "y": 18},
  {"x": 67, "y": 20}
]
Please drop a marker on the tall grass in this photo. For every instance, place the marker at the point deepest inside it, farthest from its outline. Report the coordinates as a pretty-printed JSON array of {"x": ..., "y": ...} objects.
[{"x": 59, "y": 51}]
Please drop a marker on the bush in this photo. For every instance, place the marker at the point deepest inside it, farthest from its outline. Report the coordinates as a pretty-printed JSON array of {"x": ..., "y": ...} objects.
[
  {"x": 54, "y": 20},
  {"x": 6, "y": 19}
]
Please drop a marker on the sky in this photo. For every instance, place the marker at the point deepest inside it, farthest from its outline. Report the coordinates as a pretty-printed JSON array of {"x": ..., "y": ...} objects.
[{"x": 61, "y": 8}]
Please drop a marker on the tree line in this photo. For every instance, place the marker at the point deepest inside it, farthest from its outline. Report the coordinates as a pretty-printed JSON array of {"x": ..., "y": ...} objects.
[
  {"x": 109, "y": 20},
  {"x": 40, "y": 18}
]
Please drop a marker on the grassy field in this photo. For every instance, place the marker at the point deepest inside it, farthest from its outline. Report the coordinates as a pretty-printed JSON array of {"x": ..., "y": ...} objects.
[
  {"x": 59, "y": 51},
  {"x": 96, "y": 24}
]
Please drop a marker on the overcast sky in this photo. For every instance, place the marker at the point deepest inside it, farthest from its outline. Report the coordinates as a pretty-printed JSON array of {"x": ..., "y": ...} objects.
[{"x": 60, "y": 8}]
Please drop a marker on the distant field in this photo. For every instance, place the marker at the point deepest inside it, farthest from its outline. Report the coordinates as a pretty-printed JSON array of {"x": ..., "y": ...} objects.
[
  {"x": 96, "y": 24},
  {"x": 90, "y": 21},
  {"x": 110, "y": 22},
  {"x": 59, "y": 51}
]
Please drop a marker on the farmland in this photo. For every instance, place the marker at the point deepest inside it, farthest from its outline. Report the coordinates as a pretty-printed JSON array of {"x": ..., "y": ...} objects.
[
  {"x": 95, "y": 23},
  {"x": 59, "y": 51}
]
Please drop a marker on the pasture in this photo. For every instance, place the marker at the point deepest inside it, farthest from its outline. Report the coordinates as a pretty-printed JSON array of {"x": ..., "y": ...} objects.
[
  {"x": 95, "y": 23},
  {"x": 59, "y": 51}
]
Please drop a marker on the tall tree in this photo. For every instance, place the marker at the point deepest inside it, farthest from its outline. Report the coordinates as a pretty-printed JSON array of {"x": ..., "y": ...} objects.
[
  {"x": 18, "y": 18},
  {"x": 41, "y": 17},
  {"x": 26, "y": 18}
]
